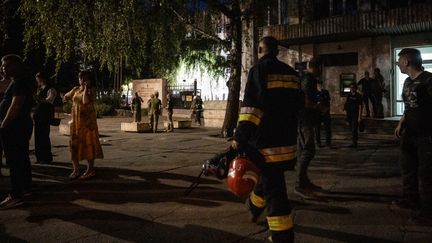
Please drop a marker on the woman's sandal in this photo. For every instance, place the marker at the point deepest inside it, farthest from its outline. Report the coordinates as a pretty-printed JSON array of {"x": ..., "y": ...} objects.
[
  {"x": 87, "y": 175},
  {"x": 74, "y": 175}
]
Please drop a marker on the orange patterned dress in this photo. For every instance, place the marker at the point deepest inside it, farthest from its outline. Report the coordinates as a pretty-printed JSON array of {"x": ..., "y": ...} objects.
[{"x": 84, "y": 138}]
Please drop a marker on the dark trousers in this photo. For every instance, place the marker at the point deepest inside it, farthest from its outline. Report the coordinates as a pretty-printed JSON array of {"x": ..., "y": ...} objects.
[
  {"x": 352, "y": 119},
  {"x": 272, "y": 188},
  {"x": 306, "y": 150},
  {"x": 170, "y": 120},
  {"x": 42, "y": 141},
  {"x": 416, "y": 169},
  {"x": 15, "y": 139},
  {"x": 198, "y": 116},
  {"x": 155, "y": 121},
  {"x": 326, "y": 120},
  {"x": 379, "y": 106},
  {"x": 366, "y": 98}
]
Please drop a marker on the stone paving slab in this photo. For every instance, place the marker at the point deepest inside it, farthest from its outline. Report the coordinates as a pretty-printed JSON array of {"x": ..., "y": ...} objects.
[{"x": 138, "y": 194}]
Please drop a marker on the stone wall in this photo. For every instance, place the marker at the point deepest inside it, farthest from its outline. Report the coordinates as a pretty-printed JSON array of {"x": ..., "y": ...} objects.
[{"x": 214, "y": 113}]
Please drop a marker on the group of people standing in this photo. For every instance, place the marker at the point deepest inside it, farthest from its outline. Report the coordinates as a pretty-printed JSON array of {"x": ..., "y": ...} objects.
[
  {"x": 373, "y": 90},
  {"x": 20, "y": 99}
]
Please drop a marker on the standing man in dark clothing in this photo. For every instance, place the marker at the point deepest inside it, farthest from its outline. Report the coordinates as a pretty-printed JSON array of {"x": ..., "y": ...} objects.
[
  {"x": 197, "y": 107},
  {"x": 415, "y": 131},
  {"x": 43, "y": 116},
  {"x": 366, "y": 85},
  {"x": 353, "y": 107},
  {"x": 308, "y": 120},
  {"x": 323, "y": 100},
  {"x": 268, "y": 124},
  {"x": 16, "y": 128},
  {"x": 378, "y": 90}
]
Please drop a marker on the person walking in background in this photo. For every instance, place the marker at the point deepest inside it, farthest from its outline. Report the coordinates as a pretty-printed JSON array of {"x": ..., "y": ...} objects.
[
  {"x": 42, "y": 116},
  {"x": 170, "y": 109},
  {"x": 4, "y": 84},
  {"x": 378, "y": 90},
  {"x": 415, "y": 131},
  {"x": 309, "y": 117},
  {"x": 155, "y": 110},
  {"x": 323, "y": 101},
  {"x": 197, "y": 108},
  {"x": 136, "y": 107},
  {"x": 84, "y": 139},
  {"x": 353, "y": 107},
  {"x": 16, "y": 127},
  {"x": 366, "y": 84}
]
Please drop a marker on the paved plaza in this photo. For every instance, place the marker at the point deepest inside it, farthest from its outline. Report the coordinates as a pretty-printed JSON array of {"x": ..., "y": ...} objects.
[{"x": 138, "y": 194}]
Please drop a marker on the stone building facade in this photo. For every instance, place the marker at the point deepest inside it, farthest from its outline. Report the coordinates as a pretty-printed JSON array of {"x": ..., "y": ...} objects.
[{"x": 351, "y": 36}]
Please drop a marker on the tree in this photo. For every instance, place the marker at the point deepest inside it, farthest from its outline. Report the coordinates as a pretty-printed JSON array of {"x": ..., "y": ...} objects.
[
  {"x": 148, "y": 36},
  {"x": 140, "y": 33}
]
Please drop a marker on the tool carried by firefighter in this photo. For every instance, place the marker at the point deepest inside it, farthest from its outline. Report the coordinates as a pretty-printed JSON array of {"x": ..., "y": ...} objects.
[{"x": 242, "y": 175}]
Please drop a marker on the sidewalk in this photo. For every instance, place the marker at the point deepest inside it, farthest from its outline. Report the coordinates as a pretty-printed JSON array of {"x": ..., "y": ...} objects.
[{"x": 137, "y": 195}]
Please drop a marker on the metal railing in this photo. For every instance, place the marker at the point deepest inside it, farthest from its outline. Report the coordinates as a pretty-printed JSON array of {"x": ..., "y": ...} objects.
[{"x": 393, "y": 21}]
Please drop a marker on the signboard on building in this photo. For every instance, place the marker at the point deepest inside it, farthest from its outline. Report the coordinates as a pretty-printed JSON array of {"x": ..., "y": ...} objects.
[{"x": 146, "y": 87}]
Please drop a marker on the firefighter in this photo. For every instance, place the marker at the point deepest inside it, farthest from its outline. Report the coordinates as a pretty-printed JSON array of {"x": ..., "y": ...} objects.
[{"x": 268, "y": 125}]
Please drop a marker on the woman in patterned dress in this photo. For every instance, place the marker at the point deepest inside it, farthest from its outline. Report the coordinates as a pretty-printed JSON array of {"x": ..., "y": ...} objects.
[{"x": 84, "y": 138}]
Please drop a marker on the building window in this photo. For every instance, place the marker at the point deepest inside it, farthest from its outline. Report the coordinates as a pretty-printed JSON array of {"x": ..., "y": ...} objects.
[
  {"x": 338, "y": 7},
  {"x": 284, "y": 11},
  {"x": 397, "y": 4},
  {"x": 321, "y": 9},
  {"x": 351, "y": 7}
]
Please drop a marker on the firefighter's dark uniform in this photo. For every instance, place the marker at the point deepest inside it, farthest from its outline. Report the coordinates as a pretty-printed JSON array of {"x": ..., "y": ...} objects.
[
  {"x": 416, "y": 142},
  {"x": 268, "y": 123}
]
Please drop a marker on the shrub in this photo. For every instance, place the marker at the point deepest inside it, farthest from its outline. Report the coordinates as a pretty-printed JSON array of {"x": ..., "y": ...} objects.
[
  {"x": 113, "y": 100},
  {"x": 103, "y": 109},
  {"x": 67, "y": 107}
]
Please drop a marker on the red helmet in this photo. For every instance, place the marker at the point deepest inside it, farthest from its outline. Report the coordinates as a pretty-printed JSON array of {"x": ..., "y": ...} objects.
[{"x": 242, "y": 176}]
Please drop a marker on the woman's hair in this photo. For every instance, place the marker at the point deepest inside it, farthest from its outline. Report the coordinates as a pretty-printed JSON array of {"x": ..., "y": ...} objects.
[{"x": 87, "y": 76}]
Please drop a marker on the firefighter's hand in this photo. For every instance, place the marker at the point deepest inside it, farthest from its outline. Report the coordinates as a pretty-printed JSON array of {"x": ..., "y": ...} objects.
[{"x": 235, "y": 145}]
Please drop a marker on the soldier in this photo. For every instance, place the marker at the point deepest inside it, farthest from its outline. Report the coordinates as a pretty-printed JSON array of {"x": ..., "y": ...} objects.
[
  {"x": 155, "y": 110},
  {"x": 415, "y": 131},
  {"x": 136, "y": 107},
  {"x": 268, "y": 124}
]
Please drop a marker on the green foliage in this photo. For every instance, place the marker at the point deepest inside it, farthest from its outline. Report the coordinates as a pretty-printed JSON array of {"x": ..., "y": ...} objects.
[
  {"x": 113, "y": 100},
  {"x": 67, "y": 107},
  {"x": 103, "y": 109},
  {"x": 140, "y": 32}
]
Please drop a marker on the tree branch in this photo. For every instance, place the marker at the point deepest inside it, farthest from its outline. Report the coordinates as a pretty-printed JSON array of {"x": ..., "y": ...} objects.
[{"x": 195, "y": 28}]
